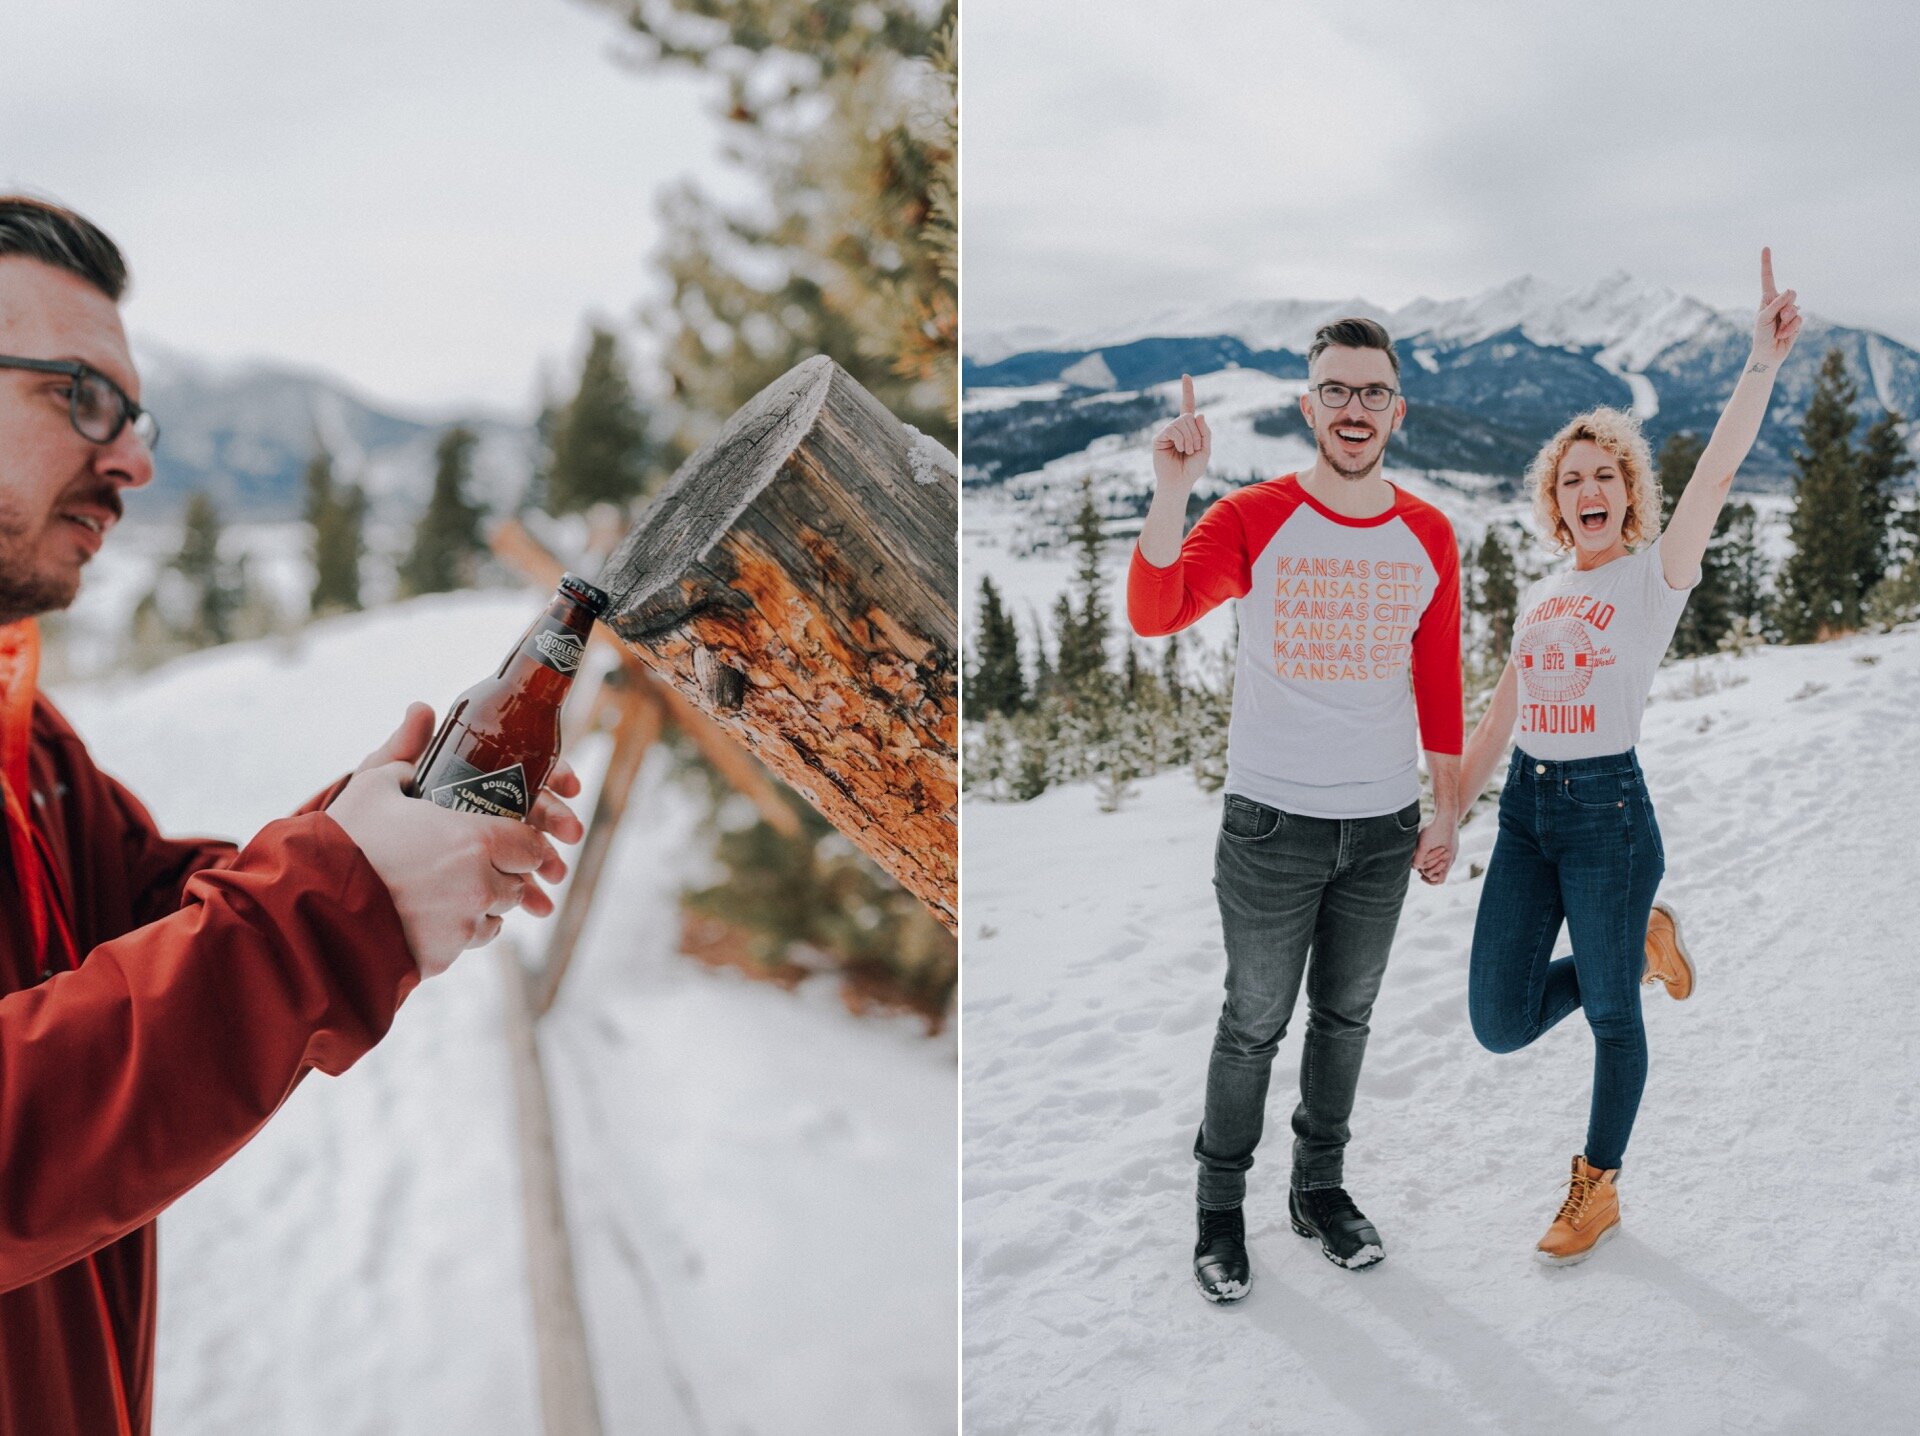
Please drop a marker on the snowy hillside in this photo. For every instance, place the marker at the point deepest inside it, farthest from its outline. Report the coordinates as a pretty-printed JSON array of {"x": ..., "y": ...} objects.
[
  {"x": 1768, "y": 1274},
  {"x": 732, "y": 1152}
]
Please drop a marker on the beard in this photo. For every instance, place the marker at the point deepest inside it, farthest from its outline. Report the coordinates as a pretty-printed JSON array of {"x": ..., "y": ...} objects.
[
  {"x": 26, "y": 590},
  {"x": 1345, "y": 467}
]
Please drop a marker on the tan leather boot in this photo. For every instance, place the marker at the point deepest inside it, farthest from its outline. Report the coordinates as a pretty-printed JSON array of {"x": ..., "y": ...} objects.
[
  {"x": 1667, "y": 959},
  {"x": 1589, "y": 1215}
]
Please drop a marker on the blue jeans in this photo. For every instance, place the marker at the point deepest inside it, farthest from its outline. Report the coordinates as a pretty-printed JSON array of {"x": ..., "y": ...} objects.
[
  {"x": 1289, "y": 886},
  {"x": 1578, "y": 843}
]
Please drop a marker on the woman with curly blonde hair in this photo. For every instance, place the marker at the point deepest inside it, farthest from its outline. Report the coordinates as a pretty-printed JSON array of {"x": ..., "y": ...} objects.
[{"x": 1578, "y": 843}]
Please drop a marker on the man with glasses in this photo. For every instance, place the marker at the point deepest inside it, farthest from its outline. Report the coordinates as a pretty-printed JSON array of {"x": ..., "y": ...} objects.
[
  {"x": 160, "y": 998},
  {"x": 1349, "y": 619}
]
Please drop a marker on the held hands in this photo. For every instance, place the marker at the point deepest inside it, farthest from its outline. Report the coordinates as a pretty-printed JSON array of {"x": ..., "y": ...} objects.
[
  {"x": 1439, "y": 842},
  {"x": 1181, "y": 450},
  {"x": 1778, "y": 323},
  {"x": 452, "y": 876}
]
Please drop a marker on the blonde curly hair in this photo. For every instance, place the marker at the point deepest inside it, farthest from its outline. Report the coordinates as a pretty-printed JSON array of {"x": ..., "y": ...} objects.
[{"x": 1619, "y": 434}]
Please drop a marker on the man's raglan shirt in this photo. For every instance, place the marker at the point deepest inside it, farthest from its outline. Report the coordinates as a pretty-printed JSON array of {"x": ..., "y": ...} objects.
[{"x": 1349, "y": 632}]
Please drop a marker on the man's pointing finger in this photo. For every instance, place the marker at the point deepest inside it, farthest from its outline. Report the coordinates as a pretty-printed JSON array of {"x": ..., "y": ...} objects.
[{"x": 1186, "y": 395}]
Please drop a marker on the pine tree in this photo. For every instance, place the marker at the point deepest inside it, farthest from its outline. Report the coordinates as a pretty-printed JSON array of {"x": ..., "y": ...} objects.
[
  {"x": 599, "y": 447},
  {"x": 337, "y": 515},
  {"x": 199, "y": 598},
  {"x": 1884, "y": 462},
  {"x": 1679, "y": 456},
  {"x": 1170, "y": 678},
  {"x": 997, "y": 684},
  {"x": 1083, "y": 629},
  {"x": 1710, "y": 608},
  {"x": 843, "y": 113},
  {"x": 1498, "y": 595},
  {"x": 1820, "y": 594},
  {"x": 447, "y": 542}
]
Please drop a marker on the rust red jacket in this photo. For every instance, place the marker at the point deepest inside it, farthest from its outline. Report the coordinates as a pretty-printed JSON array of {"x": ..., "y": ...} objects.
[{"x": 159, "y": 999}]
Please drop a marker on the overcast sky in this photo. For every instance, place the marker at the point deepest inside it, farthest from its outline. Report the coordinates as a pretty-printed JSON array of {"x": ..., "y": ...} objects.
[
  {"x": 425, "y": 197},
  {"x": 1393, "y": 149}
]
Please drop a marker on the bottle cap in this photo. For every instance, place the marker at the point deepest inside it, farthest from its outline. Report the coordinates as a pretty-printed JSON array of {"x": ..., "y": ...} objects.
[{"x": 578, "y": 589}]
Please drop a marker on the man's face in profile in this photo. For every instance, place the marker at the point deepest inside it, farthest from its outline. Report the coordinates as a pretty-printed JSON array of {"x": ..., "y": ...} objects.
[{"x": 59, "y": 492}]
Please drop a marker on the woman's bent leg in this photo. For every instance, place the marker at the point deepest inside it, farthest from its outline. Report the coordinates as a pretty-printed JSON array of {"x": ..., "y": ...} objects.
[{"x": 1514, "y": 991}]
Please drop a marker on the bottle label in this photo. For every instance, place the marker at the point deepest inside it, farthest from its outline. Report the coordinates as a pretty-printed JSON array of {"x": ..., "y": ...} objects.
[
  {"x": 465, "y": 789},
  {"x": 559, "y": 647}
]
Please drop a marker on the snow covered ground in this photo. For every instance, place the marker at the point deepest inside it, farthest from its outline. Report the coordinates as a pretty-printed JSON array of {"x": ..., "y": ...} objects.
[
  {"x": 1767, "y": 1277},
  {"x": 761, "y": 1187}
]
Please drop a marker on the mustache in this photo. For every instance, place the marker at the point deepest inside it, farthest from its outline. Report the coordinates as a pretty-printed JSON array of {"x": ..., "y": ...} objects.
[{"x": 104, "y": 495}]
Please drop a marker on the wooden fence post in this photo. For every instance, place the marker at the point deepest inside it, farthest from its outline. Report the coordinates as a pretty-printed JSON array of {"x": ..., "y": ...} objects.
[{"x": 798, "y": 581}]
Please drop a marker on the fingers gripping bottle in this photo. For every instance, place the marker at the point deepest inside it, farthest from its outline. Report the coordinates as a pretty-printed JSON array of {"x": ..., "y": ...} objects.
[{"x": 501, "y": 737}]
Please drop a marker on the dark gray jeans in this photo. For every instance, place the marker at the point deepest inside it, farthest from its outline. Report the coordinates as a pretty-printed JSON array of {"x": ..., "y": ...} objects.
[{"x": 1289, "y": 886}]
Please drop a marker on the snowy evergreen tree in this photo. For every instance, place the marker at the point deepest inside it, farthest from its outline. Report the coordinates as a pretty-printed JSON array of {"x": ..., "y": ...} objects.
[
  {"x": 1678, "y": 458},
  {"x": 1819, "y": 588},
  {"x": 843, "y": 113},
  {"x": 336, "y": 513},
  {"x": 1884, "y": 464},
  {"x": 1496, "y": 595},
  {"x": 997, "y": 684},
  {"x": 446, "y": 543},
  {"x": 598, "y": 447},
  {"x": 1083, "y": 625}
]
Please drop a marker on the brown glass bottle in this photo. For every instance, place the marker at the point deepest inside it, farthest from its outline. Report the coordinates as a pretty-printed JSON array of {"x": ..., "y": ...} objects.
[{"x": 501, "y": 737}]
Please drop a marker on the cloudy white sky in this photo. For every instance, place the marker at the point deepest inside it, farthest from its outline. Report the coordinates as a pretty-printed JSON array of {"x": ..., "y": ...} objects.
[
  {"x": 1392, "y": 149},
  {"x": 426, "y": 198}
]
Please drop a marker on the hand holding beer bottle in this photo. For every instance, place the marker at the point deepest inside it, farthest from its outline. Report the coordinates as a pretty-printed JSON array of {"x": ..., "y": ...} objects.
[{"x": 453, "y": 875}]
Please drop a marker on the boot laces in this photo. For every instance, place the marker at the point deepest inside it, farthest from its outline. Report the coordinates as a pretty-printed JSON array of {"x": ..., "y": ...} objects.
[
  {"x": 1579, "y": 1192},
  {"x": 1227, "y": 1222}
]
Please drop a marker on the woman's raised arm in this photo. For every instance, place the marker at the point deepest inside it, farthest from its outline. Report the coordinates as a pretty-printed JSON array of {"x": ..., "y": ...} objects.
[{"x": 1774, "y": 329}]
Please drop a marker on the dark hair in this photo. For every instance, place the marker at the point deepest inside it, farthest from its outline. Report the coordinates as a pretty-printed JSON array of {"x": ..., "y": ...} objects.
[
  {"x": 59, "y": 237},
  {"x": 1353, "y": 333}
]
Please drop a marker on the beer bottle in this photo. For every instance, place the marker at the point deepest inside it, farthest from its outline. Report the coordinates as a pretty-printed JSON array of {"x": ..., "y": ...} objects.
[{"x": 501, "y": 737}]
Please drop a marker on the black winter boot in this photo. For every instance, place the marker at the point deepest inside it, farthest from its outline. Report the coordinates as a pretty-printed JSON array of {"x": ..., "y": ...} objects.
[
  {"x": 1220, "y": 1256},
  {"x": 1346, "y": 1237}
]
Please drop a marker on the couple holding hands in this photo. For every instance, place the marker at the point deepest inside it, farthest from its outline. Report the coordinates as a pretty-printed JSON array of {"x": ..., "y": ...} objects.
[{"x": 1348, "y": 593}]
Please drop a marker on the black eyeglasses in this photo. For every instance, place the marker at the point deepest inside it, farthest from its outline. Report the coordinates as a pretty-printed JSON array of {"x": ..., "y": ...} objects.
[
  {"x": 1373, "y": 396},
  {"x": 97, "y": 407}
]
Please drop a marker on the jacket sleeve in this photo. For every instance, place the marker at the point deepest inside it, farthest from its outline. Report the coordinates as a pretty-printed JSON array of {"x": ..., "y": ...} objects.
[
  {"x": 126, "y": 1081},
  {"x": 158, "y": 867}
]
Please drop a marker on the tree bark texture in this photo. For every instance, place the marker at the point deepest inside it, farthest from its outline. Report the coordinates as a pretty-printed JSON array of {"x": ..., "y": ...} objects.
[{"x": 798, "y": 580}]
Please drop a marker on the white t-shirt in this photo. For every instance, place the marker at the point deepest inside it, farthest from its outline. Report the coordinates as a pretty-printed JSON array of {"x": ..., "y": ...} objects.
[{"x": 1585, "y": 648}]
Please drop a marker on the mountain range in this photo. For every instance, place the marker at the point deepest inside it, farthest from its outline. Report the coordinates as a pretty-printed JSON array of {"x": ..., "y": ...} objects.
[
  {"x": 1487, "y": 378},
  {"x": 244, "y": 433}
]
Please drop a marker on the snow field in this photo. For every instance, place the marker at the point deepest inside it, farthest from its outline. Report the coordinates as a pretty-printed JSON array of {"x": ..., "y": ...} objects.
[
  {"x": 760, "y": 1187},
  {"x": 1767, "y": 1275}
]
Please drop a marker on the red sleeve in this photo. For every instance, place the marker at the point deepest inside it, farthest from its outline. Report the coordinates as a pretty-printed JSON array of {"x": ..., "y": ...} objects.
[
  {"x": 1214, "y": 565},
  {"x": 126, "y": 1081},
  {"x": 158, "y": 867},
  {"x": 1436, "y": 641}
]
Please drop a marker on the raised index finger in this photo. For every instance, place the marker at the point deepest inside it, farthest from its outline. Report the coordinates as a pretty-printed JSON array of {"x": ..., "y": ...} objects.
[
  {"x": 1186, "y": 395},
  {"x": 1767, "y": 292}
]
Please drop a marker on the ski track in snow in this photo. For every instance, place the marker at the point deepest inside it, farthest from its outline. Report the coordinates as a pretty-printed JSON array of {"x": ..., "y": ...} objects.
[
  {"x": 1767, "y": 1275},
  {"x": 760, "y": 1187}
]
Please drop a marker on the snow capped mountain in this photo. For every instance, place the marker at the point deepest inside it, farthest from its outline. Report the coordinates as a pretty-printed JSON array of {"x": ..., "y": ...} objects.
[
  {"x": 1632, "y": 320},
  {"x": 244, "y": 431},
  {"x": 1487, "y": 377}
]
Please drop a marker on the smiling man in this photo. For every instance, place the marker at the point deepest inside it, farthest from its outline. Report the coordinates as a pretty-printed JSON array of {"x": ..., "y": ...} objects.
[
  {"x": 1349, "y": 617},
  {"x": 159, "y": 999}
]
